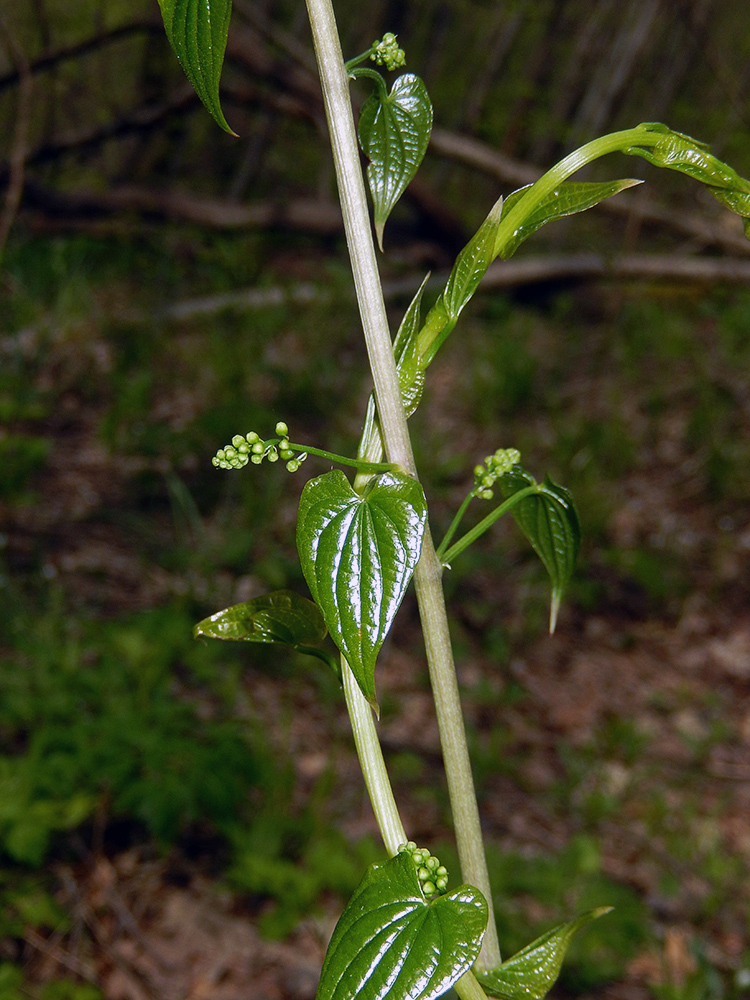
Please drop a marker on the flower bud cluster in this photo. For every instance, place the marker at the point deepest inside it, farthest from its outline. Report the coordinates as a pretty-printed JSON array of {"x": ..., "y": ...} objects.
[
  {"x": 252, "y": 448},
  {"x": 494, "y": 467},
  {"x": 387, "y": 53},
  {"x": 432, "y": 875}
]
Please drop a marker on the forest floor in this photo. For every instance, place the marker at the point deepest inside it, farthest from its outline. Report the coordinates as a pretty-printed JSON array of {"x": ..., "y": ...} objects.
[{"x": 612, "y": 759}]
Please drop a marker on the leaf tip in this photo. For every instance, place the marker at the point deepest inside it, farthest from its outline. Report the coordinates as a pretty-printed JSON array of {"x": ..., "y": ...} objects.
[{"x": 379, "y": 229}]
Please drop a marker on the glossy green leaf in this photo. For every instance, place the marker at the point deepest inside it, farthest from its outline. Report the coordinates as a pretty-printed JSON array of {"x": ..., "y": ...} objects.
[
  {"x": 282, "y": 616},
  {"x": 468, "y": 270},
  {"x": 394, "y": 132},
  {"x": 532, "y": 972},
  {"x": 197, "y": 31},
  {"x": 390, "y": 941},
  {"x": 358, "y": 553},
  {"x": 549, "y": 521},
  {"x": 411, "y": 371},
  {"x": 472, "y": 263},
  {"x": 677, "y": 151},
  {"x": 568, "y": 199}
]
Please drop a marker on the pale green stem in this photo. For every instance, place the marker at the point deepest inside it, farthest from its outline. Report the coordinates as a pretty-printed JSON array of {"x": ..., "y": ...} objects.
[
  {"x": 335, "y": 83},
  {"x": 468, "y": 988},
  {"x": 373, "y": 766},
  {"x": 398, "y": 449}
]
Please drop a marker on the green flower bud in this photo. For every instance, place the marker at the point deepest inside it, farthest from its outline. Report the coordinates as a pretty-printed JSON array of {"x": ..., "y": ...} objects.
[
  {"x": 429, "y": 888},
  {"x": 258, "y": 448},
  {"x": 215, "y": 461},
  {"x": 251, "y": 437},
  {"x": 503, "y": 460},
  {"x": 441, "y": 883},
  {"x": 442, "y": 872},
  {"x": 237, "y": 440},
  {"x": 422, "y": 874},
  {"x": 292, "y": 466},
  {"x": 256, "y": 459},
  {"x": 432, "y": 863},
  {"x": 273, "y": 455},
  {"x": 281, "y": 429},
  {"x": 387, "y": 52}
]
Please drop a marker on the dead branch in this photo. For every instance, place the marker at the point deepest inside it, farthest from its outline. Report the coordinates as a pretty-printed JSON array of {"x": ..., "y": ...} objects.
[
  {"x": 52, "y": 59},
  {"x": 306, "y": 215},
  {"x": 17, "y": 162}
]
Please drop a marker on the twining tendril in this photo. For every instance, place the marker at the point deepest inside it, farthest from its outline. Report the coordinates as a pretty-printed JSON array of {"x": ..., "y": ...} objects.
[{"x": 432, "y": 875}]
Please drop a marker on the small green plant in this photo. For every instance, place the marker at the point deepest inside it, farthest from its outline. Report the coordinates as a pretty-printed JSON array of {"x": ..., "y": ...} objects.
[{"x": 405, "y": 932}]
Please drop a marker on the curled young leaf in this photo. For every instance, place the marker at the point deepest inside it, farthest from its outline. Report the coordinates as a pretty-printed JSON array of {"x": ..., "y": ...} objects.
[
  {"x": 568, "y": 198},
  {"x": 358, "y": 553},
  {"x": 394, "y": 131},
  {"x": 677, "y": 151},
  {"x": 549, "y": 520},
  {"x": 408, "y": 363},
  {"x": 532, "y": 972},
  {"x": 468, "y": 270},
  {"x": 392, "y": 941},
  {"x": 197, "y": 31}
]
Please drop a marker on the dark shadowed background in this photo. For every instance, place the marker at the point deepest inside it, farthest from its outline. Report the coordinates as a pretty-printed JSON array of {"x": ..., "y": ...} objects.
[{"x": 181, "y": 820}]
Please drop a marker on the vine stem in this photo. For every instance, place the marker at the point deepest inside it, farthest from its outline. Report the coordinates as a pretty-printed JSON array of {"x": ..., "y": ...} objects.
[{"x": 395, "y": 436}]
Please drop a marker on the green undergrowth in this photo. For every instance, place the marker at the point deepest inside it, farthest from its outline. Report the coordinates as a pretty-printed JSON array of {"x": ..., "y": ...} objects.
[
  {"x": 125, "y": 717},
  {"x": 116, "y": 716}
]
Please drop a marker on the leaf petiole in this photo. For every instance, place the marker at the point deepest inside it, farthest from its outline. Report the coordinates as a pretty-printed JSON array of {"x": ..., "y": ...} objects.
[
  {"x": 350, "y": 64},
  {"x": 471, "y": 536},
  {"x": 370, "y": 74},
  {"x": 454, "y": 526},
  {"x": 355, "y": 463}
]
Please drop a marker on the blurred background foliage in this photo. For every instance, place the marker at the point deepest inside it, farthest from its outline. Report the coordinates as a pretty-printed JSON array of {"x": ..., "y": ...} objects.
[{"x": 164, "y": 286}]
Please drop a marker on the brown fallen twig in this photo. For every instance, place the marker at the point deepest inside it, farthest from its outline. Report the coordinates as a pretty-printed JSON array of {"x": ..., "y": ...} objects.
[
  {"x": 309, "y": 215},
  {"x": 52, "y": 59},
  {"x": 502, "y": 274}
]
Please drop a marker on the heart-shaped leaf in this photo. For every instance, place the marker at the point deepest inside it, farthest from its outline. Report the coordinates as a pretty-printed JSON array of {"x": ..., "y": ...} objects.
[
  {"x": 549, "y": 520},
  {"x": 358, "y": 553},
  {"x": 281, "y": 617},
  {"x": 390, "y": 941},
  {"x": 394, "y": 132},
  {"x": 532, "y": 972},
  {"x": 568, "y": 199},
  {"x": 197, "y": 31}
]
